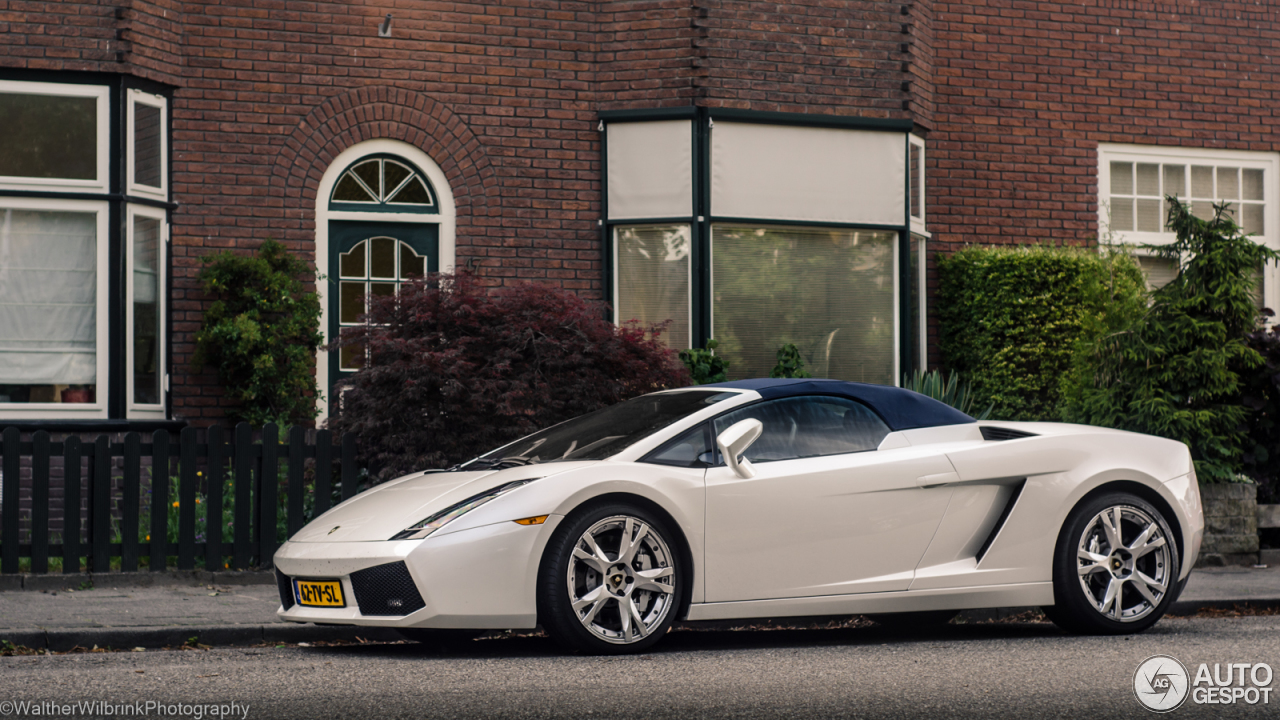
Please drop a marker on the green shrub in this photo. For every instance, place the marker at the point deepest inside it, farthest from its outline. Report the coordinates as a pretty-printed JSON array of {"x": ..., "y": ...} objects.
[
  {"x": 790, "y": 364},
  {"x": 1012, "y": 318},
  {"x": 1180, "y": 372},
  {"x": 704, "y": 365},
  {"x": 261, "y": 334},
  {"x": 949, "y": 389}
]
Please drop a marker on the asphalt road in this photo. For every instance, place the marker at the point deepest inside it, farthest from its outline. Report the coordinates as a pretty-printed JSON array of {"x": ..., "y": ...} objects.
[{"x": 1001, "y": 670}]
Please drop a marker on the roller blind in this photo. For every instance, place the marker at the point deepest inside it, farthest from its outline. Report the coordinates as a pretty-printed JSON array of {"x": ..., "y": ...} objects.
[
  {"x": 804, "y": 173},
  {"x": 650, "y": 169}
]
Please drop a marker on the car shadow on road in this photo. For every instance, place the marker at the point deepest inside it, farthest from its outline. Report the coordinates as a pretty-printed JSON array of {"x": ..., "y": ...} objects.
[{"x": 687, "y": 639}]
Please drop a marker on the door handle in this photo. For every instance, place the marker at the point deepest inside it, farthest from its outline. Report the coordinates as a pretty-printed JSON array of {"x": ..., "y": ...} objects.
[{"x": 928, "y": 481}]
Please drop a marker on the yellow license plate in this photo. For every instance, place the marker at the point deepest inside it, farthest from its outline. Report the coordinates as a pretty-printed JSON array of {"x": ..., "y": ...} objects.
[{"x": 318, "y": 593}]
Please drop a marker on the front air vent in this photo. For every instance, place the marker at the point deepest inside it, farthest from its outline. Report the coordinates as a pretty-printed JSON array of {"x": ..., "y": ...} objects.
[
  {"x": 998, "y": 433},
  {"x": 386, "y": 590},
  {"x": 285, "y": 586}
]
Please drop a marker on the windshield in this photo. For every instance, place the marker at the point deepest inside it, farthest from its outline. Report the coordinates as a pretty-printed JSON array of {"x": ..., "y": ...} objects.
[{"x": 600, "y": 434}]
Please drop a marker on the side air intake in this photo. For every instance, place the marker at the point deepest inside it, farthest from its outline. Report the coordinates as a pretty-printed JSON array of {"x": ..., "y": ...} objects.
[{"x": 999, "y": 433}]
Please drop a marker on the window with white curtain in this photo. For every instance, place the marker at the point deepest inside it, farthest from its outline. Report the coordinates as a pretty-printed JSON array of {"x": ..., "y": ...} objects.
[
  {"x": 829, "y": 291},
  {"x": 1135, "y": 181},
  {"x": 53, "y": 304},
  {"x": 653, "y": 278}
]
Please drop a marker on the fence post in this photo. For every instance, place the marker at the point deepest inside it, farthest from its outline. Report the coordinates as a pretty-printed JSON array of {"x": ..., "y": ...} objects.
[
  {"x": 132, "y": 503},
  {"x": 40, "y": 502},
  {"x": 243, "y": 452},
  {"x": 297, "y": 487},
  {"x": 213, "y": 501},
  {"x": 187, "y": 499},
  {"x": 269, "y": 489},
  {"x": 100, "y": 517},
  {"x": 348, "y": 465},
  {"x": 324, "y": 471},
  {"x": 159, "y": 500},
  {"x": 71, "y": 505},
  {"x": 9, "y": 501}
]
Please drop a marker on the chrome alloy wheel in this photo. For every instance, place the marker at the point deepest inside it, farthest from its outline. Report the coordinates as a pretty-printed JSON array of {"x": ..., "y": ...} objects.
[
  {"x": 621, "y": 579},
  {"x": 1124, "y": 563}
]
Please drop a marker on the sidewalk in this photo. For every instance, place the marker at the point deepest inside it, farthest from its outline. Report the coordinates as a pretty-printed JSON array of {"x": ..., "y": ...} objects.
[{"x": 141, "y": 610}]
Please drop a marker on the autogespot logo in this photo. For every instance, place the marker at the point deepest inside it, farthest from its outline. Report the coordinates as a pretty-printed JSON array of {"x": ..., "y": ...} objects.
[{"x": 1161, "y": 683}]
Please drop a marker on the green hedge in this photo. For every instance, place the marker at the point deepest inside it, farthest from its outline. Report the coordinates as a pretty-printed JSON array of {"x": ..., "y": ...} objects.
[{"x": 1012, "y": 318}]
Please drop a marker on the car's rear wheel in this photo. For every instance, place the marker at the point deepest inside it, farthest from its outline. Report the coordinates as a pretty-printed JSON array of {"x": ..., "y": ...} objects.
[
  {"x": 611, "y": 580},
  {"x": 1115, "y": 567}
]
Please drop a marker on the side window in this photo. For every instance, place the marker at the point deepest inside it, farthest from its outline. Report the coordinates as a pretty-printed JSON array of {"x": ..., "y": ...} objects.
[
  {"x": 693, "y": 448},
  {"x": 809, "y": 426}
]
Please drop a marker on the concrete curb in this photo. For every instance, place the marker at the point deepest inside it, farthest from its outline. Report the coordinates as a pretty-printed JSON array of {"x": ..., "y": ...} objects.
[
  {"x": 62, "y": 640},
  {"x": 117, "y": 580}
]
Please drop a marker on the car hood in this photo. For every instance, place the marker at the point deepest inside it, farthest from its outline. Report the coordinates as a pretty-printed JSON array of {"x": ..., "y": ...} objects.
[{"x": 382, "y": 511}]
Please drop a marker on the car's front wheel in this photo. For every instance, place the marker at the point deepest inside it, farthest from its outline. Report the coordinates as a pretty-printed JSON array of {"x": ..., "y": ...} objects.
[
  {"x": 611, "y": 580},
  {"x": 1115, "y": 568}
]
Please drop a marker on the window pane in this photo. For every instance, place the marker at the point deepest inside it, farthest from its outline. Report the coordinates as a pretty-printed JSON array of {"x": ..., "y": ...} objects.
[
  {"x": 369, "y": 173},
  {"x": 147, "y": 162},
  {"x": 692, "y": 449},
  {"x": 1228, "y": 183},
  {"x": 1202, "y": 209},
  {"x": 1149, "y": 219},
  {"x": 828, "y": 291},
  {"x": 1121, "y": 178},
  {"x": 146, "y": 310},
  {"x": 350, "y": 302},
  {"x": 917, "y": 181},
  {"x": 1252, "y": 218},
  {"x": 917, "y": 301},
  {"x": 382, "y": 258},
  {"x": 1158, "y": 271},
  {"x": 349, "y": 190},
  {"x": 48, "y": 136},
  {"x": 414, "y": 193},
  {"x": 48, "y": 310},
  {"x": 351, "y": 264},
  {"x": 412, "y": 265},
  {"x": 1121, "y": 214},
  {"x": 382, "y": 289},
  {"x": 653, "y": 278},
  {"x": 1175, "y": 180},
  {"x": 1257, "y": 291},
  {"x": 1148, "y": 179},
  {"x": 1252, "y": 184},
  {"x": 1201, "y": 181},
  {"x": 351, "y": 358},
  {"x": 393, "y": 173},
  {"x": 808, "y": 427}
]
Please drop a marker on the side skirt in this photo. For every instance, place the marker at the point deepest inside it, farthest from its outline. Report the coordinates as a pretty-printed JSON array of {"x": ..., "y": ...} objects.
[{"x": 963, "y": 598}]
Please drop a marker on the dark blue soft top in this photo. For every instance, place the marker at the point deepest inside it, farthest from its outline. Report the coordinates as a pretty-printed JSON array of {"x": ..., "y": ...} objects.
[{"x": 901, "y": 409}]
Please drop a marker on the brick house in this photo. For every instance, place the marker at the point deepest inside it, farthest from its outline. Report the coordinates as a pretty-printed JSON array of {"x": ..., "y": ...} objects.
[{"x": 757, "y": 172}]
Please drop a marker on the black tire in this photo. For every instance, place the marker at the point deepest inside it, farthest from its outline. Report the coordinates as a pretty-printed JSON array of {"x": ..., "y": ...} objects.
[
  {"x": 1080, "y": 599},
  {"x": 440, "y": 638},
  {"x": 657, "y": 610},
  {"x": 914, "y": 621}
]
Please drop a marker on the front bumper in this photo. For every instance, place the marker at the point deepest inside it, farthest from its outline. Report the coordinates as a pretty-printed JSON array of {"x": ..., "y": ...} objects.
[{"x": 481, "y": 578}]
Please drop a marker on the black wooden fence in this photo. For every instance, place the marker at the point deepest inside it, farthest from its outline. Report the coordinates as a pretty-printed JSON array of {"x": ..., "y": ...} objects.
[{"x": 247, "y": 478}]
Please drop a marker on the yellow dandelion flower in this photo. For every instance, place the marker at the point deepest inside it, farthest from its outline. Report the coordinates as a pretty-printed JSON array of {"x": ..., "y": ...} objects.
[
  {"x": 148, "y": 538},
  {"x": 197, "y": 501},
  {"x": 175, "y": 503},
  {"x": 199, "y": 474}
]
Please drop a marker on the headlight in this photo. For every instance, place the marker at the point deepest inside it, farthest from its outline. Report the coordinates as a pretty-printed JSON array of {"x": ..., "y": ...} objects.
[{"x": 421, "y": 529}]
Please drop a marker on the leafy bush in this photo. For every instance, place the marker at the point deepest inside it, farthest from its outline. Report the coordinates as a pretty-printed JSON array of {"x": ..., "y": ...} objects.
[
  {"x": 1180, "y": 373},
  {"x": 790, "y": 364},
  {"x": 261, "y": 334},
  {"x": 1262, "y": 395},
  {"x": 1011, "y": 319},
  {"x": 704, "y": 365},
  {"x": 949, "y": 389},
  {"x": 455, "y": 370}
]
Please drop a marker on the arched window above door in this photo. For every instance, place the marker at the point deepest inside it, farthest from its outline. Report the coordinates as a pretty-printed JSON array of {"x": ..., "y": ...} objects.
[{"x": 382, "y": 183}]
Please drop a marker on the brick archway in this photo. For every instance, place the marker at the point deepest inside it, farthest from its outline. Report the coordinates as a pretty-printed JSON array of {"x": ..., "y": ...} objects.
[{"x": 384, "y": 112}]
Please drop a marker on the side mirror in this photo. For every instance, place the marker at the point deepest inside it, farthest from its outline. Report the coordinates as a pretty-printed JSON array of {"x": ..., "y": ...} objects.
[{"x": 734, "y": 441}]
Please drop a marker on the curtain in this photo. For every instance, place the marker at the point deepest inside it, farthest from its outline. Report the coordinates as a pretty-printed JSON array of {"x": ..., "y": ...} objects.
[
  {"x": 48, "y": 288},
  {"x": 653, "y": 278}
]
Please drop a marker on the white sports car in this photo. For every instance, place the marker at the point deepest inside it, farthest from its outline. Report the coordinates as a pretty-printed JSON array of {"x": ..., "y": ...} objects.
[{"x": 760, "y": 498}]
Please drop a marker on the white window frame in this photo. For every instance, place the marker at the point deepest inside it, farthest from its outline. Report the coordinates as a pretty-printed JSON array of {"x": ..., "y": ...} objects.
[
  {"x": 102, "y": 94},
  {"x": 76, "y": 411},
  {"x": 1268, "y": 162},
  {"x": 917, "y": 221},
  {"x": 135, "y": 98},
  {"x": 136, "y": 410}
]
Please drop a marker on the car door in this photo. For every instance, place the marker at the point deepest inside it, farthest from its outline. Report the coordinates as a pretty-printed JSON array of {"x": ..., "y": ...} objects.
[{"x": 826, "y": 512}]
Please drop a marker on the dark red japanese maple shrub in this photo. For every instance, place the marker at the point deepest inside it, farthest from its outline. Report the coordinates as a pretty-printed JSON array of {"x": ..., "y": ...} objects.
[{"x": 455, "y": 369}]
